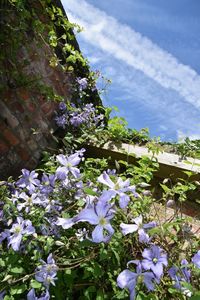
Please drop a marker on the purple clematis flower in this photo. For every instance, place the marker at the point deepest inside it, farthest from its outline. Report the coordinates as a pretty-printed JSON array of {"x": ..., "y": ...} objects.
[
  {"x": 196, "y": 259},
  {"x": 180, "y": 275},
  {"x": 28, "y": 202},
  {"x": 46, "y": 273},
  {"x": 61, "y": 121},
  {"x": 47, "y": 184},
  {"x": 128, "y": 279},
  {"x": 68, "y": 165},
  {"x": 154, "y": 259},
  {"x": 100, "y": 215},
  {"x": 31, "y": 295},
  {"x": 138, "y": 226},
  {"x": 83, "y": 83},
  {"x": 20, "y": 228},
  {"x": 28, "y": 180},
  {"x": 62, "y": 106},
  {"x": 118, "y": 188}
]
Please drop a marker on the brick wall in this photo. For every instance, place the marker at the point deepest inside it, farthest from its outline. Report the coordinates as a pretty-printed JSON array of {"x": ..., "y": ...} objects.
[{"x": 26, "y": 111}]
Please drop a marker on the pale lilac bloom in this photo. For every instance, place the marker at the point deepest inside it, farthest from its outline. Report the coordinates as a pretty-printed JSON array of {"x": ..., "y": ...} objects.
[
  {"x": 111, "y": 172},
  {"x": 180, "y": 275},
  {"x": 61, "y": 121},
  {"x": 28, "y": 180},
  {"x": 128, "y": 279},
  {"x": 154, "y": 259},
  {"x": 76, "y": 119},
  {"x": 83, "y": 83},
  {"x": 68, "y": 165},
  {"x": 81, "y": 152},
  {"x": 32, "y": 296},
  {"x": 15, "y": 196},
  {"x": 62, "y": 106},
  {"x": 46, "y": 273},
  {"x": 196, "y": 259},
  {"x": 47, "y": 184},
  {"x": 65, "y": 223},
  {"x": 100, "y": 215},
  {"x": 18, "y": 230},
  {"x": 139, "y": 227},
  {"x": 2, "y": 294},
  {"x": 118, "y": 188},
  {"x": 29, "y": 201}
]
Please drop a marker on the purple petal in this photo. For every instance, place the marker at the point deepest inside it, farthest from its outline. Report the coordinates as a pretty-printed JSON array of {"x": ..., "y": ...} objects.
[
  {"x": 143, "y": 236},
  {"x": 110, "y": 230},
  {"x": 147, "y": 264},
  {"x": 87, "y": 215},
  {"x": 123, "y": 200},
  {"x": 62, "y": 159},
  {"x": 74, "y": 159},
  {"x": 102, "y": 208},
  {"x": 138, "y": 220},
  {"x": 15, "y": 241},
  {"x": 107, "y": 195},
  {"x": 31, "y": 295},
  {"x": 196, "y": 259},
  {"x": 157, "y": 269},
  {"x": 150, "y": 225},
  {"x": 148, "y": 277},
  {"x": 61, "y": 173},
  {"x": 65, "y": 223},
  {"x": 75, "y": 172},
  {"x": 97, "y": 234},
  {"x": 105, "y": 179},
  {"x": 125, "y": 278},
  {"x": 128, "y": 228}
]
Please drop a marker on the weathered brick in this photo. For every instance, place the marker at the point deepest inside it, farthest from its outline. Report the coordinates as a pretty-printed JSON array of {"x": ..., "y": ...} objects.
[
  {"x": 47, "y": 107},
  {"x": 3, "y": 147},
  {"x": 32, "y": 145},
  {"x": 23, "y": 94},
  {"x": 2, "y": 126},
  {"x": 23, "y": 153},
  {"x": 18, "y": 107},
  {"x": 13, "y": 157},
  {"x": 8, "y": 116},
  {"x": 10, "y": 137},
  {"x": 31, "y": 106},
  {"x": 42, "y": 99}
]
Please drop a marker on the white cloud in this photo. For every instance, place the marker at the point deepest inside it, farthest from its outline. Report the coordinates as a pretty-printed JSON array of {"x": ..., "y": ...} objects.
[
  {"x": 181, "y": 136},
  {"x": 135, "y": 50}
]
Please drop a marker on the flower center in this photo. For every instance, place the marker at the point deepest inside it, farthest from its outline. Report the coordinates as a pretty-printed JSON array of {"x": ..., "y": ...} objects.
[
  {"x": 18, "y": 229},
  {"x": 102, "y": 221},
  {"x": 140, "y": 279},
  {"x": 117, "y": 187},
  {"x": 68, "y": 165},
  {"x": 155, "y": 260}
]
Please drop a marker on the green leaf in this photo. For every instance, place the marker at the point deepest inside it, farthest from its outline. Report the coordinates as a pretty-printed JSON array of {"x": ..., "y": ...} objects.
[
  {"x": 89, "y": 191},
  {"x": 17, "y": 290},
  {"x": 17, "y": 270},
  {"x": 35, "y": 284}
]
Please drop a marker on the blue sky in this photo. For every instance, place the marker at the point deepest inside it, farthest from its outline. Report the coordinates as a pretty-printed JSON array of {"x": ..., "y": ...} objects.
[{"x": 150, "y": 50}]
